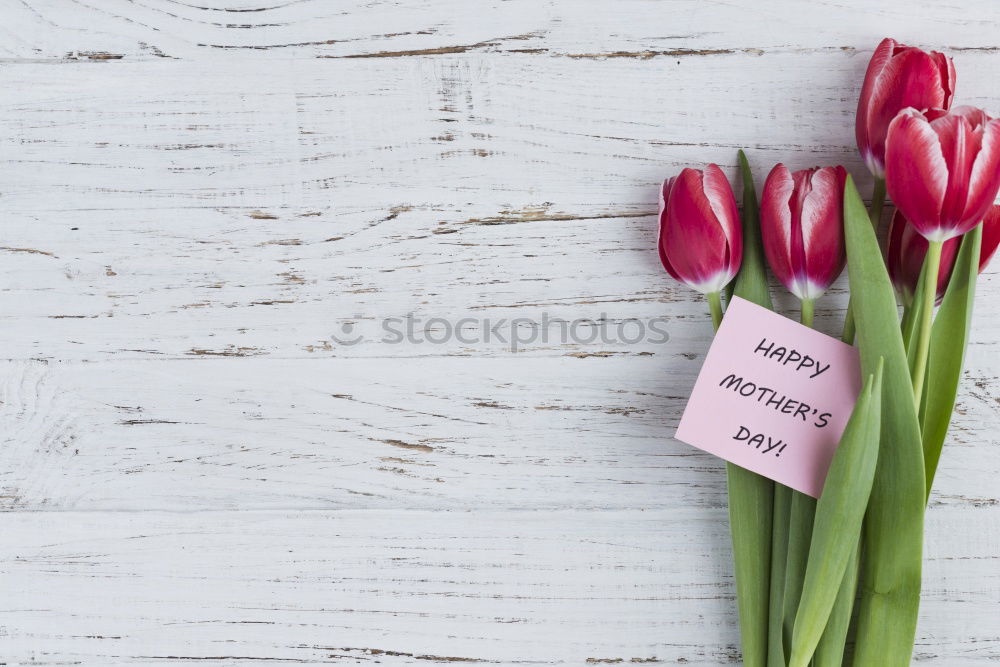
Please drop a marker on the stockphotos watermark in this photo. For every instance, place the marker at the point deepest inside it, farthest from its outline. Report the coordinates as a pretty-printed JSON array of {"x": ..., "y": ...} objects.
[{"x": 516, "y": 334}]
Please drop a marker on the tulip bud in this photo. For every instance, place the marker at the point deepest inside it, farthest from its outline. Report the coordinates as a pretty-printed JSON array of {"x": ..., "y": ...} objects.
[
  {"x": 801, "y": 218},
  {"x": 943, "y": 168},
  {"x": 701, "y": 241},
  {"x": 898, "y": 77},
  {"x": 906, "y": 250}
]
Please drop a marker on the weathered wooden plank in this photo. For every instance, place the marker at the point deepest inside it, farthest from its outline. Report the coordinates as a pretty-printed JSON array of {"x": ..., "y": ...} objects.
[
  {"x": 410, "y": 587},
  {"x": 116, "y": 30},
  {"x": 431, "y": 433},
  {"x": 490, "y": 137}
]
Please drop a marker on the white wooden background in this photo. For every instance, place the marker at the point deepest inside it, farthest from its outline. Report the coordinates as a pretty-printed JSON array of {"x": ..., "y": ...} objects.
[{"x": 196, "y": 194}]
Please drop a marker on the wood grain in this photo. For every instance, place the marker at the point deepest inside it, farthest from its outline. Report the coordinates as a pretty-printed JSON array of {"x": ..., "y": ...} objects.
[
  {"x": 434, "y": 433},
  {"x": 411, "y": 587},
  {"x": 202, "y": 199},
  {"x": 116, "y": 30}
]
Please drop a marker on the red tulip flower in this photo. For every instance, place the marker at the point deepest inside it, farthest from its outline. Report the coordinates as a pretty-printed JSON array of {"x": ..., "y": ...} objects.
[
  {"x": 907, "y": 248},
  {"x": 905, "y": 254},
  {"x": 898, "y": 77},
  {"x": 943, "y": 168},
  {"x": 801, "y": 217},
  {"x": 701, "y": 241}
]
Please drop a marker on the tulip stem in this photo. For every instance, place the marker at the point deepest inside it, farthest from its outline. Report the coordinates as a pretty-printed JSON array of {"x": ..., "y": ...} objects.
[
  {"x": 808, "y": 308},
  {"x": 715, "y": 305},
  {"x": 932, "y": 263}
]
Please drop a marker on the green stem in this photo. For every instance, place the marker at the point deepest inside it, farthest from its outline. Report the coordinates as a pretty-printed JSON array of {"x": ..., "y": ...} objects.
[
  {"x": 875, "y": 214},
  {"x": 932, "y": 263},
  {"x": 715, "y": 305},
  {"x": 808, "y": 309}
]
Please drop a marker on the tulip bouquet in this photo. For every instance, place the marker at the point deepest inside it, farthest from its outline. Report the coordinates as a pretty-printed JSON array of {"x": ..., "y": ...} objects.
[{"x": 816, "y": 577}]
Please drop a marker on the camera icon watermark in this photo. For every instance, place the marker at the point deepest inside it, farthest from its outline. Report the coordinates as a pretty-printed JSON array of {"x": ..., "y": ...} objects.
[{"x": 348, "y": 334}]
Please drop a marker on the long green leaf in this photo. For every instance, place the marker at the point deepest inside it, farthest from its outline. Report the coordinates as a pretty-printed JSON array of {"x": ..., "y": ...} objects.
[
  {"x": 840, "y": 512},
  {"x": 800, "y": 527},
  {"x": 830, "y": 650},
  {"x": 751, "y": 283},
  {"x": 779, "y": 555},
  {"x": 894, "y": 525},
  {"x": 949, "y": 338},
  {"x": 751, "y": 496}
]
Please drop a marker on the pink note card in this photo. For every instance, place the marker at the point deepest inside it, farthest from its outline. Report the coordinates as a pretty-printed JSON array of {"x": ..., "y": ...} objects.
[{"x": 773, "y": 396}]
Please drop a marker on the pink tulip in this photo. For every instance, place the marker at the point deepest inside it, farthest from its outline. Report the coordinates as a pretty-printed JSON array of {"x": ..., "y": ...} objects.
[
  {"x": 905, "y": 253},
  {"x": 898, "y": 77},
  {"x": 943, "y": 168},
  {"x": 701, "y": 241},
  {"x": 801, "y": 218},
  {"x": 907, "y": 248}
]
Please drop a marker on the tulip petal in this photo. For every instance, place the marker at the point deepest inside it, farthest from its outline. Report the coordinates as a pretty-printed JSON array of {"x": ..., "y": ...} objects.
[
  {"x": 661, "y": 245},
  {"x": 959, "y": 145},
  {"x": 974, "y": 115},
  {"x": 723, "y": 203},
  {"x": 880, "y": 59},
  {"x": 991, "y": 236},
  {"x": 776, "y": 223},
  {"x": 985, "y": 179},
  {"x": 796, "y": 246},
  {"x": 946, "y": 67},
  {"x": 917, "y": 171},
  {"x": 822, "y": 230}
]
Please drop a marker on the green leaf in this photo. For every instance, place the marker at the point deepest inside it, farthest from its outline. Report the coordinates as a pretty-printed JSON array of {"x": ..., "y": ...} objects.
[
  {"x": 751, "y": 283},
  {"x": 800, "y": 527},
  {"x": 751, "y": 496},
  {"x": 894, "y": 525},
  {"x": 840, "y": 512},
  {"x": 830, "y": 650},
  {"x": 949, "y": 338},
  {"x": 779, "y": 554},
  {"x": 750, "y": 502}
]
